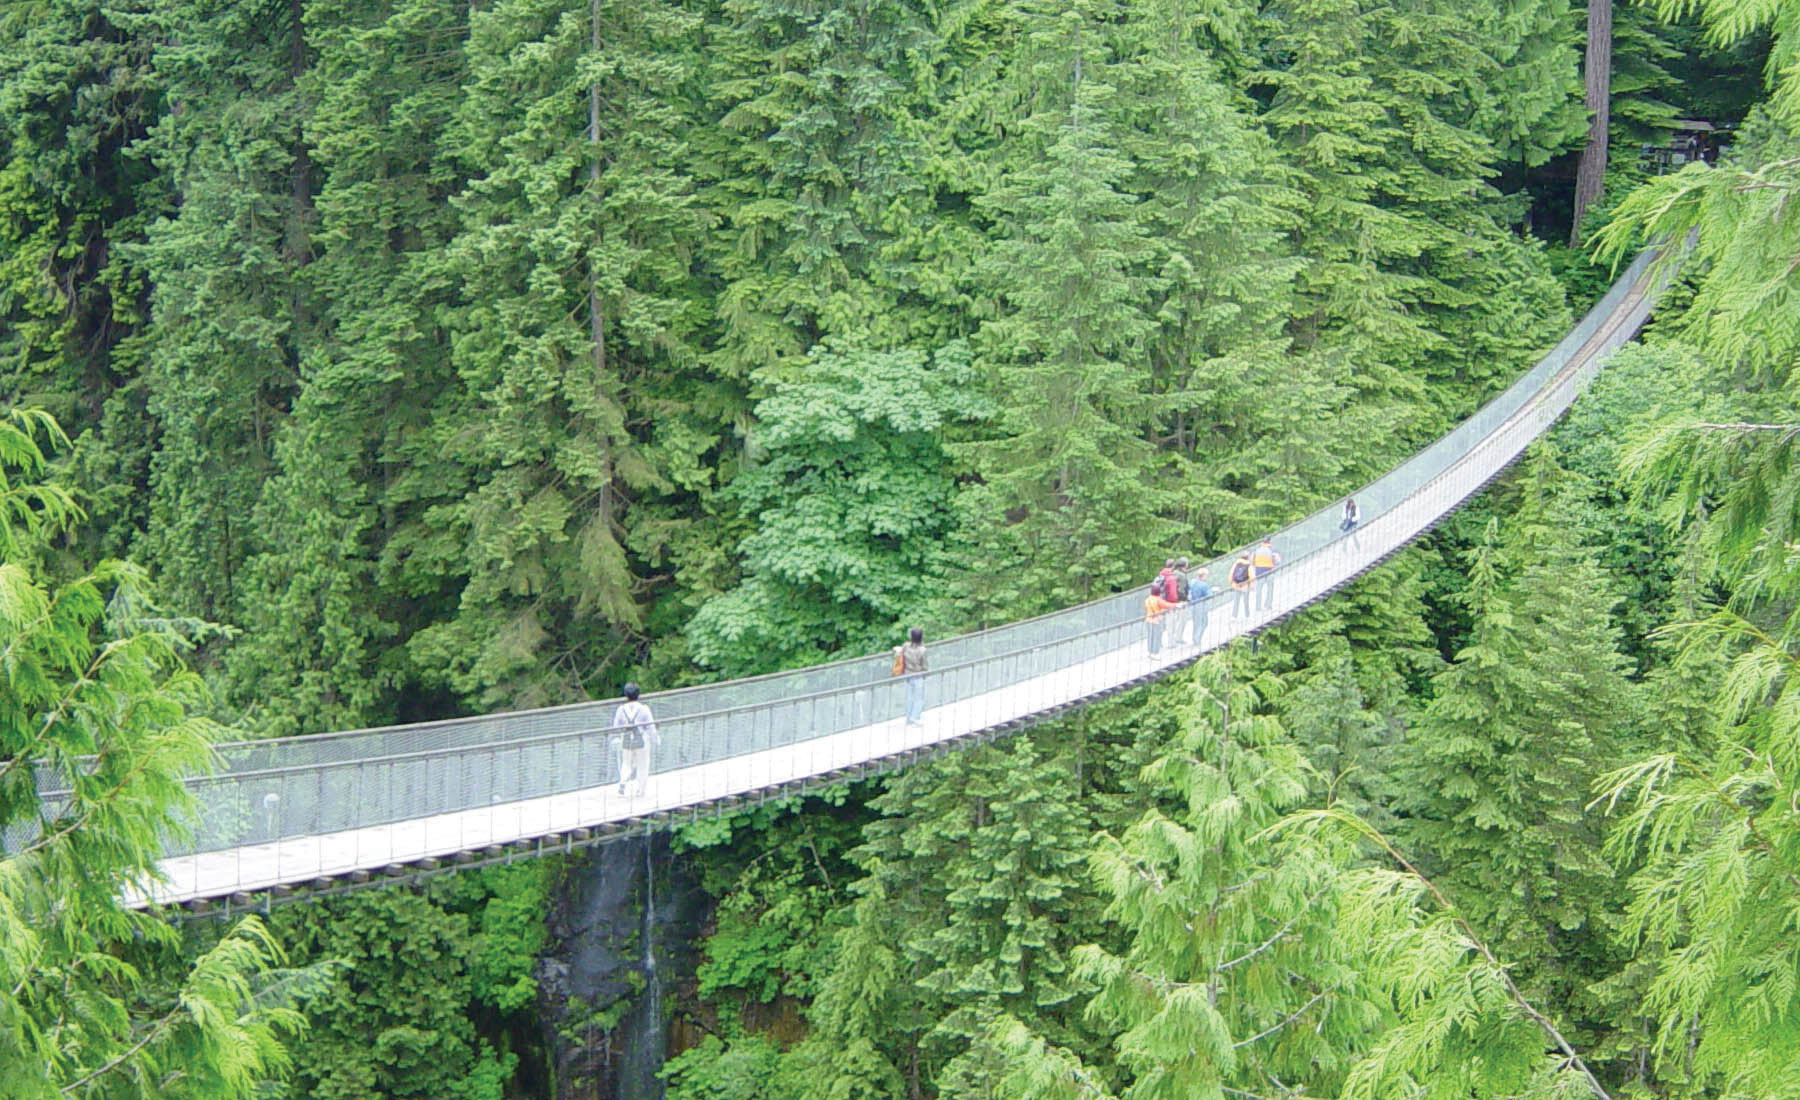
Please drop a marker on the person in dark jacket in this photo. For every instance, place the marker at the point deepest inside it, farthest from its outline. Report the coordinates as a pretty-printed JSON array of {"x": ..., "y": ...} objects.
[
  {"x": 1243, "y": 582},
  {"x": 1352, "y": 517}
]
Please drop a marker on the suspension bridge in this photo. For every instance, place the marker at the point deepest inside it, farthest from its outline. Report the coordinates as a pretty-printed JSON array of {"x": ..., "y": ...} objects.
[{"x": 336, "y": 811}]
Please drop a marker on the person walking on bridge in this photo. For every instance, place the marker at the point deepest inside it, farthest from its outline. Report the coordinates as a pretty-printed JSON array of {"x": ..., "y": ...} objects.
[
  {"x": 1199, "y": 593},
  {"x": 909, "y": 661},
  {"x": 1154, "y": 609},
  {"x": 1243, "y": 582},
  {"x": 637, "y": 734},
  {"x": 1352, "y": 517},
  {"x": 1177, "y": 594},
  {"x": 1265, "y": 558}
]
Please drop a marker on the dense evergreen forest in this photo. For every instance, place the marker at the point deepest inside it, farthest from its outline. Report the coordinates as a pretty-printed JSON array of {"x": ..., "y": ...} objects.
[{"x": 367, "y": 361}]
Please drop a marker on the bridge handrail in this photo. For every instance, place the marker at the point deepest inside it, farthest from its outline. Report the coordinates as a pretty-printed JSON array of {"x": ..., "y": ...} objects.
[{"x": 865, "y": 693}]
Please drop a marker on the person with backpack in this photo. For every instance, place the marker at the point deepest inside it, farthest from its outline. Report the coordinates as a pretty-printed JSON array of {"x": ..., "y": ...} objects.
[
  {"x": 1243, "y": 582},
  {"x": 1155, "y": 607},
  {"x": 1177, "y": 593},
  {"x": 1352, "y": 517},
  {"x": 1265, "y": 559},
  {"x": 909, "y": 661},
  {"x": 636, "y": 736},
  {"x": 1199, "y": 592}
]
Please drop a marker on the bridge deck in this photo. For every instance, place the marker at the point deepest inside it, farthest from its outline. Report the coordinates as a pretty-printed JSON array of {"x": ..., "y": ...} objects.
[{"x": 299, "y": 810}]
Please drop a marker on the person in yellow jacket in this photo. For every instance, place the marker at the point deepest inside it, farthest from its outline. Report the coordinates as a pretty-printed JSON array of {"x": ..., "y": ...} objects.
[
  {"x": 1155, "y": 607},
  {"x": 1264, "y": 558}
]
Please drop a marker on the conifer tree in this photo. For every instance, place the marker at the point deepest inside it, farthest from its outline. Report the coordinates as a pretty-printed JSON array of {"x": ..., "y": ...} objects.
[
  {"x": 322, "y": 607},
  {"x": 1525, "y": 91},
  {"x": 1232, "y": 979},
  {"x": 1016, "y": 905},
  {"x": 1416, "y": 279},
  {"x": 1710, "y": 814},
  {"x": 230, "y": 312},
  {"x": 1231, "y": 402},
  {"x": 94, "y": 701},
  {"x": 570, "y": 267},
  {"x": 76, "y": 91},
  {"x": 1501, "y": 763},
  {"x": 971, "y": 901},
  {"x": 1070, "y": 476},
  {"x": 812, "y": 169},
  {"x": 1590, "y": 176}
]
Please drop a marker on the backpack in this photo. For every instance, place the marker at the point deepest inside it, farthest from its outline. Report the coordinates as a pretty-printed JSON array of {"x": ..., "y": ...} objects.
[
  {"x": 1181, "y": 588},
  {"x": 1169, "y": 586},
  {"x": 1240, "y": 572},
  {"x": 631, "y": 736}
]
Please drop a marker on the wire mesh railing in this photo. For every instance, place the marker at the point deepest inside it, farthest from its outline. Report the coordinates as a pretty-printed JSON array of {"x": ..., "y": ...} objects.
[{"x": 723, "y": 738}]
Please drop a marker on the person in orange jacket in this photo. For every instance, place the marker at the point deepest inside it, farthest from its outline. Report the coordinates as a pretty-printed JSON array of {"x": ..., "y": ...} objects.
[{"x": 1154, "y": 609}]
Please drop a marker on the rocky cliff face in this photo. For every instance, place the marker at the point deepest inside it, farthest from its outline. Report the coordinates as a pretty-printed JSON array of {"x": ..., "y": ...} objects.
[{"x": 625, "y": 932}]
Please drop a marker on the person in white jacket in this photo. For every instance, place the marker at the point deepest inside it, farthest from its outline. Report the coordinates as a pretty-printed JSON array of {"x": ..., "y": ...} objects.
[{"x": 635, "y": 738}]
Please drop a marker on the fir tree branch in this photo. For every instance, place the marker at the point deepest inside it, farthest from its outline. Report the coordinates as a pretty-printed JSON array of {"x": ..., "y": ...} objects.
[
  {"x": 1744, "y": 429},
  {"x": 150, "y": 1036},
  {"x": 1279, "y": 1024},
  {"x": 1518, "y": 998},
  {"x": 28, "y": 752},
  {"x": 1280, "y": 933},
  {"x": 1248, "y": 1095},
  {"x": 1763, "y": 843},
  {"x": 105, "y": 797}
]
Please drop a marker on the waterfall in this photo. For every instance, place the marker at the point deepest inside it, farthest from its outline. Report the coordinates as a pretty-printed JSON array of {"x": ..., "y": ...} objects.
[{"x": 647, "y": 1037}]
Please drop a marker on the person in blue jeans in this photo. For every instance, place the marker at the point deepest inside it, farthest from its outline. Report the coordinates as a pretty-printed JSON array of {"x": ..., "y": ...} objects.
[
  {"x": 1155, "y": 607},
  {"x": 1243, "y": 583},
  {"x": 913, "y": 667},
  {"x": 1352, "y": 517},
  {"x": 1199, "y": 592},
  {"x": 1265, "y": 559}
]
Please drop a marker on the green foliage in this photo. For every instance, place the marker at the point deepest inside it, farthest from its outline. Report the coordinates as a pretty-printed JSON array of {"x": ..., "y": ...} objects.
[
  {"x": 483, "y": 354},
  {"x": 521, "y": 520},
  {"x": 852, "y": 500},
  {"x": 1072, "y": 458},
  {"x": 96, "y": 706},
  {"x": 1397, "y": 185},
  {"x": 509, "y": 904},
  {"x": 76, "y": 91},
  {"x": 1743, "y": 307},
  {"x": 744, "y": 1069},
  {"x": 967, "y": 908},
  {"x": 1231, "y": 977},
  {"x": 321, "y": 605},
  {"x": 1499, "y": 765},
  {"x": 777, "y": 887},
  {"x": 395, "y": 1023}
]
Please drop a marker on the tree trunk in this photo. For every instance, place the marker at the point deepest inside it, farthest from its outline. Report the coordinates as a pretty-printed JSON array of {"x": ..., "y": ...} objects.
[
  {"x": 596, "y": 313},
  {"x": 1590, "y": 178}
]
